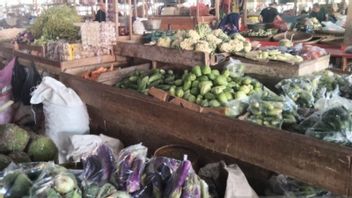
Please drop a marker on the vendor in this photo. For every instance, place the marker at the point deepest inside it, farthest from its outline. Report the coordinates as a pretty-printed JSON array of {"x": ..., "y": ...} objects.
[
  {"x": 268, "y": 15},
  {"x": 318, "y": 13},
  {"x": 100, "y": 15}
]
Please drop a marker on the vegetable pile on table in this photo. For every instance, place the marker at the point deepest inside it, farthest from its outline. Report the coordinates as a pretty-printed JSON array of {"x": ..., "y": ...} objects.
[
  {"x": 56, "y": 23},
  {"x": 103, "y": 176},
  {"x": 272, "y": 54},
  {"x": 204, "y": 39},
  {"x": 202, "y": 85},
  {"x": 259, "y": 33},
  {"x": 18, "y": 145}
]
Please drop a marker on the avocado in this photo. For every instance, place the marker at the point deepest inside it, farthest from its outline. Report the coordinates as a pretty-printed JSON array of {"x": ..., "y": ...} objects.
[
  {"x": 42, "y": 149},
  {"x": 4, "y": 161},
  {"x": 13, "y": 138},
  {"x": 19, "y": 157}
]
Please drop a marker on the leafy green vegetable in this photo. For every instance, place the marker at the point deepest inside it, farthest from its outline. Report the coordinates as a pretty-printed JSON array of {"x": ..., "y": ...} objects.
[{"x": 56, "y": 23}]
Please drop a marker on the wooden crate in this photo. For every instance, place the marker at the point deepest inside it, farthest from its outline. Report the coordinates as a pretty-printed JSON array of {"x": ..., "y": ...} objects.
[
  {"x": 111, "y": 77},
  {"x": 166, "y": 55},
  {"x": 304, "y": 158},
  {"x": 55, "y": 67},
  {"x": 166, "y": 97},
  {"x": 36, "y": 50},
  {"x": 284, "y": 70}
]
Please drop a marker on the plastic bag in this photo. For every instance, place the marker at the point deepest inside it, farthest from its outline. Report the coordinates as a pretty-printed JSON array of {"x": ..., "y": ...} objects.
[
  {"x": 55, "y": 181},
  {"x": 332, "y": 124},
  {"x": 130, "y": 167},
  {"x": 237, "y": 185},
  {"x": 157, "y": 173},
  {"x": 24, "y": 79},
  {"x": 288, "y": 187},
  {"x": 65, "y": 113},
  {"x": 235, "y": 67},
  {"x": 5, "y": 93},
  {"x": 98, "y": 167},
  {"x": 82, "y": 146}
]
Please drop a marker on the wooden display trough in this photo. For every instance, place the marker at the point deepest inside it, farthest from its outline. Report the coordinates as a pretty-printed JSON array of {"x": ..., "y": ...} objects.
[
  {"x": 166, "y": 55},
  {"x": 280, "y": 70},
  {"x": 56, "y": 67},
  {"x": 136, "y": 117}
]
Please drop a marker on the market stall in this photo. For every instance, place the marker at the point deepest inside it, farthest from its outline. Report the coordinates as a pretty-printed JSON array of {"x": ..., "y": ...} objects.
[{"x": 192, "y": 97}]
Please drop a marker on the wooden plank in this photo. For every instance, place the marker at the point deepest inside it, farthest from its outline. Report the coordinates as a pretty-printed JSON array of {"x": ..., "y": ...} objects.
[
  {"x": 309, "y": 160},
  {"x": 161, "y": 54},
  {"x": 87, "y": 61},
  {"x": 36, "y": 59}
]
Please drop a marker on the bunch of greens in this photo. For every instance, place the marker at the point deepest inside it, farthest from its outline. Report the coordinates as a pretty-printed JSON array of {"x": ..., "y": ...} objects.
[{"x": 56, "y": 23}]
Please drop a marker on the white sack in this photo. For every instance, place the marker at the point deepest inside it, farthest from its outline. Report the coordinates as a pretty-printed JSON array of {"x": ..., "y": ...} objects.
[
  {"x": 65, "y": 113},
  {"x": 237, "y": 185}
]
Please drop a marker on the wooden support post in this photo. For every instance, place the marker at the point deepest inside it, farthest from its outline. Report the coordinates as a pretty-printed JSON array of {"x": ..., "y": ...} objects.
[
  {"x": 217, "y": 9},
  {"x": 130, "y": 19},
  {"x": 295, "y": 7},
  {"x": 245, "y": 14},
  {"x": 197, "y": 12},
  {"x": 116, "y": 17},
  {"x": 135, "y": 8},
  {"x": 143, "y": 10},
  {"x": 348, "y": 33}
]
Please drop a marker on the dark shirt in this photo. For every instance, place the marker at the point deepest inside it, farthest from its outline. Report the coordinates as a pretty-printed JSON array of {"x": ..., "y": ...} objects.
[
  {"x": 321, "y": 15},
  {"x": 100, "y": 16},
  {"x": 268, "y": 14}
]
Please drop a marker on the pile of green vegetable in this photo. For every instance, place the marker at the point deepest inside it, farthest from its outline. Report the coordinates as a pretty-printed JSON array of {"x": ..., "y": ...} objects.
[
  {"x": 204, "y": 39},
  {"x": 17, "y": 145},
  {"x": 56, "y": 23},
  {"x": 202, "y": 85},
  {"x": 306, "y": 90},
  {"x": 271, "y": 110},
  {"x": 143, "y": 80}
]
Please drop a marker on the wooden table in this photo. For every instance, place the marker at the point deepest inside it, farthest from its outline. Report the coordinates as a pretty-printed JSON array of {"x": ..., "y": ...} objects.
[{"x": 338, "y": 52}]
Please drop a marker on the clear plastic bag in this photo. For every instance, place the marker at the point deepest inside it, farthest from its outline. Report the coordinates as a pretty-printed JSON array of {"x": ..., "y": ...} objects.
[
  {"x": 331, "y": 123},
  {"x": 235, "y": 67},
  {"x": 130, "y": 167},
  {"x": 98, "y": 167}
]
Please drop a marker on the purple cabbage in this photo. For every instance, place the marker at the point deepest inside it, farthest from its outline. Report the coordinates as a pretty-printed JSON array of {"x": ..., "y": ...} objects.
[
  {"x": 98, "y": 168},
  {"x": 177, "y": 180}
]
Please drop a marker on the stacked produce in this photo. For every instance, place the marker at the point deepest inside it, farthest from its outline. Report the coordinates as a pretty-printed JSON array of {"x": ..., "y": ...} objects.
[
  {"x": 98, "y": 35},
  {"x": 17, "y": 145},
  {"x": 307, "y": 52},
  {"x": 273, "y": 54},
  {"x": 259, "y": 33},
  {"x": 142, "y": 80},
  {"x": 271, "y": 110},
  {"x": 306, "y": 90},
  {"x": 95, "y": 74},
  {"x": 131, "y": 175},
  {"x": 203, "y": 39},
  {"x": 205, "y": 86},
  {"x": 314, "y": 23},
  {"x": 56, "y": 23}
]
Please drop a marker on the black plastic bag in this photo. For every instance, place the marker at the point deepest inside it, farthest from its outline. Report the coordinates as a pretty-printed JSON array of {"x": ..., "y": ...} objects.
[{"x": 24, "y": 80}]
